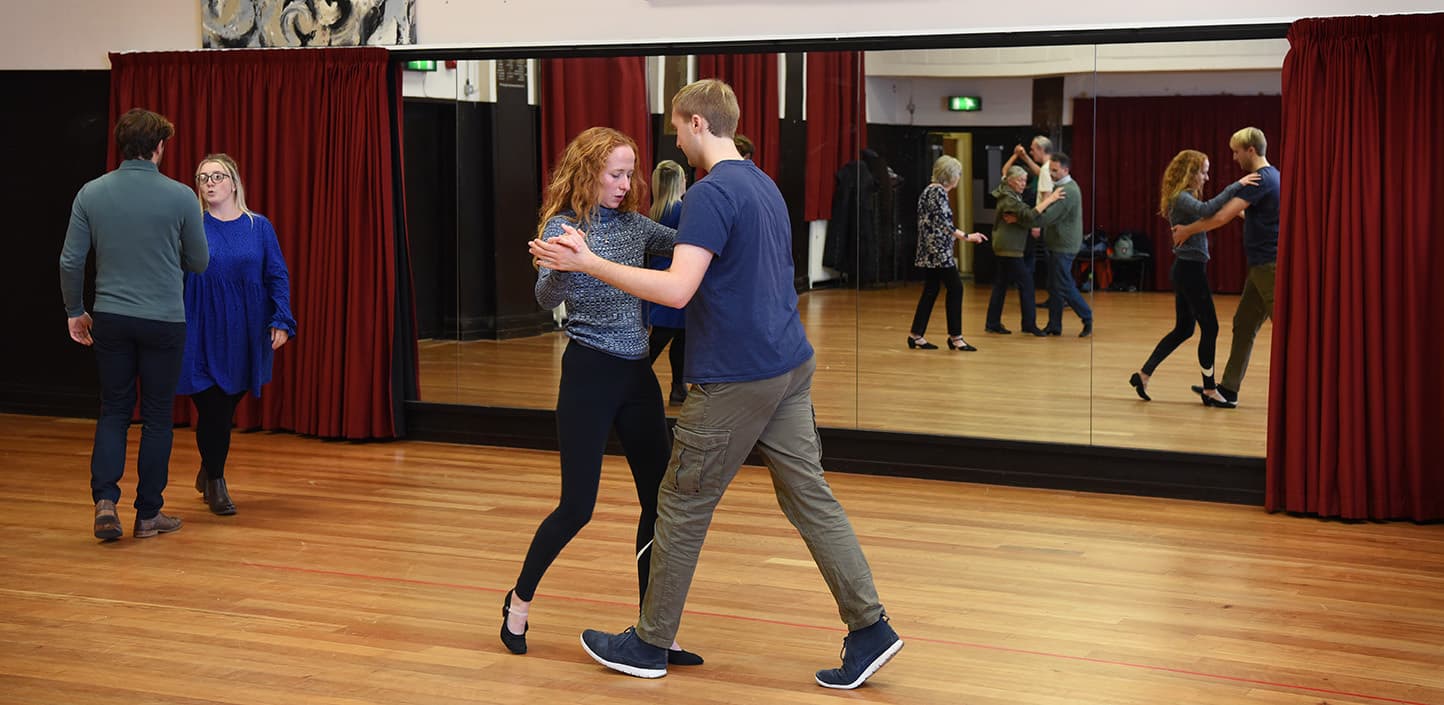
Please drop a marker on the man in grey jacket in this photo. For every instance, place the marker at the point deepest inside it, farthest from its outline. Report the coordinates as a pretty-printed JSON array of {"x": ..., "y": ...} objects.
[
  {"x": 145, "y": 228},
  {"x": 1063, "y": 236}
]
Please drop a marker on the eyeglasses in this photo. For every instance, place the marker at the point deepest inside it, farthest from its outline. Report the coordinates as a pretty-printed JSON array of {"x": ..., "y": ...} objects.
[{"x": 217, "y": 177}]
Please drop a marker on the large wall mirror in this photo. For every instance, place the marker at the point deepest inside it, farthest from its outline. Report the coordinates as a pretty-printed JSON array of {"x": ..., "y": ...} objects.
[{"x": 1121, "y": 112}]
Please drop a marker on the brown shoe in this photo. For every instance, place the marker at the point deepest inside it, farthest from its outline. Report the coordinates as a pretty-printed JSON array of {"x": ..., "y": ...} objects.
[
  {"x": 107, "y": 523},
  {"x": 158, "y": 524}
]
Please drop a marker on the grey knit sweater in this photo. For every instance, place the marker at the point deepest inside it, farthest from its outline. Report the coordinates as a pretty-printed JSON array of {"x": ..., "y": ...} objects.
[
  {"x": 1187, "y": 209},
  {"x": 600, "y": 316}
]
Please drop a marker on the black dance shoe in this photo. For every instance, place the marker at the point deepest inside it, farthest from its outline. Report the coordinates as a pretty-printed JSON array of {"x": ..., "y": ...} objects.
[{"x": 515, "y": 643}]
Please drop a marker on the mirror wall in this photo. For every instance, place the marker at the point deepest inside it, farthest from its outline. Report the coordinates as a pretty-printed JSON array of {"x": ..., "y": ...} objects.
[{"x": 1120, "y": 112}]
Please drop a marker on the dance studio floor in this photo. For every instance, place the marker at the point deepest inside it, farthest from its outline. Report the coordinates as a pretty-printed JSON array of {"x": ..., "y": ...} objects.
[{"x": 361, "y": 574}]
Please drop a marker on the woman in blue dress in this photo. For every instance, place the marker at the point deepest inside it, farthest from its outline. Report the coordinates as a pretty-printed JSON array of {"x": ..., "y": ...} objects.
[
  {"x": 668, "y": 325},
  {"x": 238, "y": 312}
]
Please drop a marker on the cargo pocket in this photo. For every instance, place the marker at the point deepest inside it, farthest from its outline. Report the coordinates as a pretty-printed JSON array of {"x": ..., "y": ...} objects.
[{"x": 697, "y": 455}]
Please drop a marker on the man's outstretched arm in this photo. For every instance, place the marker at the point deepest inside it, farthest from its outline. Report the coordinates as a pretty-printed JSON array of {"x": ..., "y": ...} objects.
[
  {"x": 1233, "y": 209},
  {"x": 672, "y": 287}
]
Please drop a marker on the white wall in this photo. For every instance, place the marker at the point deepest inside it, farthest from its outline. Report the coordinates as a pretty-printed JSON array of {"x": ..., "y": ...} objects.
[
  {"x": 1006, "y": 101},
  {"x": 76, "y": 34}
]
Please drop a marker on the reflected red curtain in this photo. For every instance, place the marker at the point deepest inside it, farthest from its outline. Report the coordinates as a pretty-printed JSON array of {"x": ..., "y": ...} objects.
[
  {"x": 754, "y": 78},
  {"x": 1121, "y": 153},
  {"x": 1357, "y": 395},
  {"x": 598, "y": 92},
  {"x": 311, "y": 130},
  {"x": 836, "y": 100}
]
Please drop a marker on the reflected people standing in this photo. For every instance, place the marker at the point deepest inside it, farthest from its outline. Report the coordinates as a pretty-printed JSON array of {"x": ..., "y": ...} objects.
[
  {"x": 1259, "y": 204},
  {"x": 1063, "y": 236},
  {"x": 1011, "y": 239},
  {"x": 1179, "y": 202},
  {"x": 936, "y": 235}
]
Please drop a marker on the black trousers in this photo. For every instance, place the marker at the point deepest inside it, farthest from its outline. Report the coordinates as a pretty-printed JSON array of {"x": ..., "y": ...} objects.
[
  {"x": 948, "y": 277},
  {"x": 677, "y": 356},
  {"x": 215, "y": 412},
  {"x": 1012, "y": 272},
  {"x": 130, "y": 350},
  {"x": 600, "y": 393},
  {"x": 1192, "y": 303}
]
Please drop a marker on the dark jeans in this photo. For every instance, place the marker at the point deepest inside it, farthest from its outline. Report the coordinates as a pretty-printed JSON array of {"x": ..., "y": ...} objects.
[
  {"x": 599, "y": 393},
  {"x": 658, "y": 339},
  {"x": 215, "y": 412},
  {"x": 1062, "y": 289},
  {"x": 1012, "y": 272},
  {"x": 948, "y": 277},
  {"x": 130, "y": 350},
  {"x": 1192, "y": 302}
]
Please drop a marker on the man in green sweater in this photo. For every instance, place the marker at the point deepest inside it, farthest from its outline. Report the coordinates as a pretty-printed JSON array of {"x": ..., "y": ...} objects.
[
  {"x": 145, "y": 229},
  {"x": 1063, "y": 236}
]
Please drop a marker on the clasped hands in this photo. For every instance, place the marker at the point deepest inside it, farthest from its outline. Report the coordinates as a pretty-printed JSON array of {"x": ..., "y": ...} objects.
[{"x": 567, "y": 252}]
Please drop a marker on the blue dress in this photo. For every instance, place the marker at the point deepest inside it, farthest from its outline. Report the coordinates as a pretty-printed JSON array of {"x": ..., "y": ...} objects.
[
  {"x": 659, "y": 315},
  {"x": 232, "y": 307}
]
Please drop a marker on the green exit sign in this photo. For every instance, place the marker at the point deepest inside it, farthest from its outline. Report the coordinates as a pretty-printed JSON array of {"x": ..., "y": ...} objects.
[
  {"x": 965, "y": 103},
  {"x": 422, "y": 65}
]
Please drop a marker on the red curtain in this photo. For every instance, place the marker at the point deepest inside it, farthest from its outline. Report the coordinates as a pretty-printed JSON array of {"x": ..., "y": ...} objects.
[
  {"x": 1357, "y": 395},
  {"x": 601, "y": 92},
  {"x": 754, "y": 78},
  {"x": 836, "y": 101},
  {"x": 1121, "y": 153},
  {"x": 311, "y": 130}
]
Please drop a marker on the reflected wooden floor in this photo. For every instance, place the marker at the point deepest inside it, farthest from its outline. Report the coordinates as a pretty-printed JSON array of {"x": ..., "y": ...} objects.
[
  {"x": 361, "y": 574},
  {"x": 1057, "y": 389}
]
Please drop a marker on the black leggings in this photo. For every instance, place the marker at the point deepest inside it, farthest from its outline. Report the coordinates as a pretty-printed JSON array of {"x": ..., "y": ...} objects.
[
  {"x": 659, "y": 338},
  {"x": 948, "y": 277},
  {"x": 599, "y": 393},
  {"x": 215, "y": 412},
  {"x": 1192, "y": 302}
]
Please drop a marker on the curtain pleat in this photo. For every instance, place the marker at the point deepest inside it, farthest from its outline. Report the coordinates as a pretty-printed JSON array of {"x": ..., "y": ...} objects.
[{"x": 1357, "y": 394}]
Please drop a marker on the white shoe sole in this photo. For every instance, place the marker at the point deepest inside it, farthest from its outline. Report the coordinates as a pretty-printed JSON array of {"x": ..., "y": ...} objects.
[
  {"x": 872, "y": 668},
  {"x": 624, "y": 668}
]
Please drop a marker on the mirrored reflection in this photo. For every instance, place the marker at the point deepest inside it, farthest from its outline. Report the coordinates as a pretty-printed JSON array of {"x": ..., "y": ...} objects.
[
  {"x": 1153, "y": 101},
  {"x": 474, "y": 173},
  {"x": 969, "y": 115}
]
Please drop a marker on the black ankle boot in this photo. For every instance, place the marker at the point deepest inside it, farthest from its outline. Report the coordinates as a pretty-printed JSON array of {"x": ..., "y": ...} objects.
[
  {"x": 201, "y": 480},
  {"x": 218, "y": 498}
]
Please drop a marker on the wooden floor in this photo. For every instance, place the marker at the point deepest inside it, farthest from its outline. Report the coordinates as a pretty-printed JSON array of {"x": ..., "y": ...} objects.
[
  {"x": 1058, "y": 389},
  {"x": 360, "y": 574}
]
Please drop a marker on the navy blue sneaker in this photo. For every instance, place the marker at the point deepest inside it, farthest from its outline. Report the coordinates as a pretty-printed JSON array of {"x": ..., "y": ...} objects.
[
  {"x": 625, "y": 652},
  {"x": 863, "y": 652}
]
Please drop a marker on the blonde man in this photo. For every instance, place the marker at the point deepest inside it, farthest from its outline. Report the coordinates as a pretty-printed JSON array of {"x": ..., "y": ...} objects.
[{"x": 749, "y": 357}]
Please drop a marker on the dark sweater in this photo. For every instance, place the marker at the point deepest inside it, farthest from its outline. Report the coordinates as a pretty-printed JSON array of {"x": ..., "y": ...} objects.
[
  {"x": 1062, "y": 223},
  {"x": 145, "y": 228}
]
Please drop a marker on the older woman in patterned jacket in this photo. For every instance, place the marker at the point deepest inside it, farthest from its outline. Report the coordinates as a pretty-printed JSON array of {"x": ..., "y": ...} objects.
[{"x": 936, "y": 233}]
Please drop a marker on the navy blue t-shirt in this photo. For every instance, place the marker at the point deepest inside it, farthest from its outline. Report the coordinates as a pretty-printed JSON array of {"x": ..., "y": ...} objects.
[
  {"x": 742, "y": 323},
  {"x": 1261, "y": 220}
]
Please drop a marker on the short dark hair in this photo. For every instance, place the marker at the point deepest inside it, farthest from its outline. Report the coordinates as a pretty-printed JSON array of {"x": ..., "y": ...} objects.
[
  {"x": 1062, "y": 160},
  {"x": 744, "y": 145},
  {"x": 138, "y": 132}
]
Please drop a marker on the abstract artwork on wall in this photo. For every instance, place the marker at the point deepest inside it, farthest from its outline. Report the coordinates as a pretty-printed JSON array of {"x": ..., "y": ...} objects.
[{"x": 306, "y": 23}]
